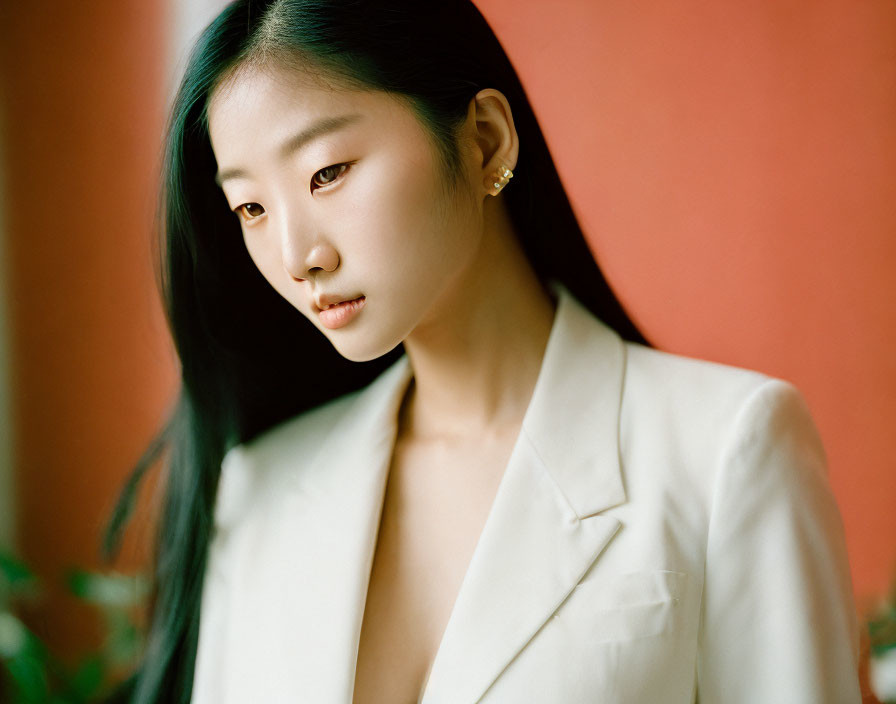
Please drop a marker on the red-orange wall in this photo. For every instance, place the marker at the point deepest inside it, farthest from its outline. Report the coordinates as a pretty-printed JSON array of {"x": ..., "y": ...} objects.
[
  {"x": 734, "y": 164},
  {"x": 90, "y": 365}
]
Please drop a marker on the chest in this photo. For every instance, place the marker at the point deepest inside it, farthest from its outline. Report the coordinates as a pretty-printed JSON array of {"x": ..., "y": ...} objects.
[{"x": 437, "y": 500}]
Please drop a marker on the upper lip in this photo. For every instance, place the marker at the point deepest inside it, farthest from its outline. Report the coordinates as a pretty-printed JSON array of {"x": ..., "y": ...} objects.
[{"x": 328, "y": 299}]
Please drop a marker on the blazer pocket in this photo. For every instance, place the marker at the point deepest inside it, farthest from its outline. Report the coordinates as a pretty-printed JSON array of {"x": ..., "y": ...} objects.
[{"x": 627, "y": 606}]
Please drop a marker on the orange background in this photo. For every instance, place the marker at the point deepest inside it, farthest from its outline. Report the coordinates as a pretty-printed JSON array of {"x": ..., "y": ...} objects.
[
  {"x": 733, "y": 164},
  {"x": 92, "y": 370}
]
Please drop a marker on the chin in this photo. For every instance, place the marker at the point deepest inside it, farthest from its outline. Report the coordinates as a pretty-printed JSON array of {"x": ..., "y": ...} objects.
[
  {"x": 368, "y": 338},
  {"x": 363, "y": 350}
]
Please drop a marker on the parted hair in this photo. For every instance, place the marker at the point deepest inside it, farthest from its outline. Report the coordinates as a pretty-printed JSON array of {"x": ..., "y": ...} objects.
[{"x": 244, "y": 351}]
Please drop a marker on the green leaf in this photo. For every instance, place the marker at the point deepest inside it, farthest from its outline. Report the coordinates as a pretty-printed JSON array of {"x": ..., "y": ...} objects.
[
  {"x": 15, "y": 577},
  {"x": 33, "y": 673},
  {"x": 124, "y": 642},
  {"x": 88, "y": 677},
  {"x": 14, "y": 570},
  {"x": 29, "y": 679},
  {"x": 113, "y": 590},
  {"x": 13, "y": 636}
]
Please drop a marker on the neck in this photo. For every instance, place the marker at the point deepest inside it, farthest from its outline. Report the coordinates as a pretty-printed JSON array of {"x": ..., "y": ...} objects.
[{"x": 477, "y": 355}]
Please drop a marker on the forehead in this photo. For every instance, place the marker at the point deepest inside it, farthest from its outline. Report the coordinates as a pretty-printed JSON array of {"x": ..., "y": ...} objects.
[{"x": 269, "y": 103}]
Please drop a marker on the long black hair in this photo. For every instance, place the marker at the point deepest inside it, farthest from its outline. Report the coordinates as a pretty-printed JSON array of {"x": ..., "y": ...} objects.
[{"x": 239, "y": 342}]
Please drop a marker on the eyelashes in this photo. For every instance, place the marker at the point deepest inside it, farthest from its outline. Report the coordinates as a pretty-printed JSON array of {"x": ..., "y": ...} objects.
[
  {"x": 335, "y": 167},
  {"x": 334, "y": 172},
  {"x": 241, "y": 209}
]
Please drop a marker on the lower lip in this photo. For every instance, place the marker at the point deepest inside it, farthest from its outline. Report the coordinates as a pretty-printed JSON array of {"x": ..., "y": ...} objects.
[{"x": 342, "y": 313}]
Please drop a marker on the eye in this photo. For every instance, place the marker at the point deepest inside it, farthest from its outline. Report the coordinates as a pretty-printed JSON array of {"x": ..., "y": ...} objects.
[
  {"x": 249, "y": 211},
  {"x": 328, "y": 175}
]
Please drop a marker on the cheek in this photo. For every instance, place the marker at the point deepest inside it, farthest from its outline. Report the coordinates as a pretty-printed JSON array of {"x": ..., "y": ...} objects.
[
  {"x": 401, "y": 225},
  {"x": 264, "y": 257},
  {"x": 267, "y": 259}
]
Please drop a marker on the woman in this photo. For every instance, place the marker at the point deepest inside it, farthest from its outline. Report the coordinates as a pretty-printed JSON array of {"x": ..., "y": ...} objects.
[{"x": 420, "y": 452}]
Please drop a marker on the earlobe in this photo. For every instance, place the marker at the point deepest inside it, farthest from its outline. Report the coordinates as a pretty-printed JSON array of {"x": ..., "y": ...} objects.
[
  {"x": 502, "y": 178},
  {"x": 497, "y": 138}
]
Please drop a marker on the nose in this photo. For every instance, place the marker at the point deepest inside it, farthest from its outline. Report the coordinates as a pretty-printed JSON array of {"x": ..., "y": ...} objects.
[
  {"x": 321, "y": 256},
  {"x": 301, "y": 261},
  {"x": 305, "y": 251}
]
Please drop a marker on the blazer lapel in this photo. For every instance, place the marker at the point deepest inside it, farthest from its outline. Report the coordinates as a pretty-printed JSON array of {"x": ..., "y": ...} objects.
[
  {"x": 543, "y": 532},
  {"x": 293, "y": 609},
  {"x": 343, "y": 494}
]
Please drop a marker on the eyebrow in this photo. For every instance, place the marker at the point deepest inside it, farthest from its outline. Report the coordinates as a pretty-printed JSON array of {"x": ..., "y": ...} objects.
[{"x": 318, "y": 129}]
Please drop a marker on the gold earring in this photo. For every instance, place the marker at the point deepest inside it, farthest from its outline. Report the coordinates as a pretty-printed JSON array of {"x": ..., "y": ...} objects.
[{"x": 502, "y": 177}]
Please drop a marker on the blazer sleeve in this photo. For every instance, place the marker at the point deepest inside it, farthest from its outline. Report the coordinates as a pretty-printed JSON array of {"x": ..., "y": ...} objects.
[{"x": 778, "y": 621}]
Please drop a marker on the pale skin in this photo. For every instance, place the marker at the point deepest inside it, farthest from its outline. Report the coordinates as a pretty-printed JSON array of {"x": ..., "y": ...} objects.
[{"x": 441, "y": 272}]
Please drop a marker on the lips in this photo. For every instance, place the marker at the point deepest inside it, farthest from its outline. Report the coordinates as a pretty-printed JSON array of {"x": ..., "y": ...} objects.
[
  {"x": 329, "y": 300},
  {"x": 336, "y": 315}
]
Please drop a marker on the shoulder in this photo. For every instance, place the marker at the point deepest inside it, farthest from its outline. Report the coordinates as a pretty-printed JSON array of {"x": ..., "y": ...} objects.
[
  {"x": 701, "y": 416},
  {"x": 698, "y": 394},
  {"x": 251, "y": 471},
  {"x": 305, "y": 430},
  {"x": 662, "y": 396},
  {"x": 254, "y": 473},
  {"x": 665, "y": 375}
]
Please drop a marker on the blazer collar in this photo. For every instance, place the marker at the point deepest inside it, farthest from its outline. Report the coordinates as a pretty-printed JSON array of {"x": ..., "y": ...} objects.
[
  {"x": 572, "y": 420},
  {"x": 543, "y": 532}
]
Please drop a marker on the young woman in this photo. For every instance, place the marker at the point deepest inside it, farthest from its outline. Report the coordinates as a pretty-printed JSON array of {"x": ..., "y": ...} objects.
[{"x": 420, "y": 452}]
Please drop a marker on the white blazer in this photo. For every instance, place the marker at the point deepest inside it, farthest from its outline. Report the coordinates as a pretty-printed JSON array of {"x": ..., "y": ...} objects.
[{"x": 664, "y": 532}]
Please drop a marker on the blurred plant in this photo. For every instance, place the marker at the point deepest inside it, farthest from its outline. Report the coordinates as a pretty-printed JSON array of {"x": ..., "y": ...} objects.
[
  {"x": 34, "y": 675},
  {"x": 882, "y": 633}
]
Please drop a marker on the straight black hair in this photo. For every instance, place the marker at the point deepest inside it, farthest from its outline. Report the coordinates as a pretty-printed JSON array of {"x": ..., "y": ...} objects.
[{"x": 245, "y": 351}]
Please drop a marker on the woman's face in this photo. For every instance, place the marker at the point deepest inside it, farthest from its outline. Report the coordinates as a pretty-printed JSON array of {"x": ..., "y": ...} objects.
[{"x": 356, "y": 209}]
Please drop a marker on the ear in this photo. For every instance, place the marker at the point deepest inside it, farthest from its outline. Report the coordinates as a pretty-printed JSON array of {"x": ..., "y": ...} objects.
[{"x": 495, "y": 135}]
